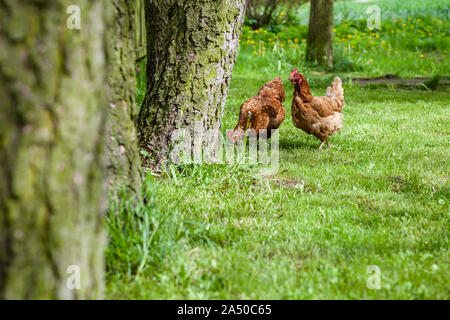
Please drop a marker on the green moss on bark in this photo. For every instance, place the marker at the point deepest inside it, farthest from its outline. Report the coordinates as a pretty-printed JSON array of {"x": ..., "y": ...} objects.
[
  {"x": 191, "y": 53},
  {"x": 123, "y": 155},
  {"x": 52, "y": 137}
]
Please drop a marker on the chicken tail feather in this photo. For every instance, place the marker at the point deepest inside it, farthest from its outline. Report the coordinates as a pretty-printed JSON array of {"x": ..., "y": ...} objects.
[{"x": 336, "y": 91}]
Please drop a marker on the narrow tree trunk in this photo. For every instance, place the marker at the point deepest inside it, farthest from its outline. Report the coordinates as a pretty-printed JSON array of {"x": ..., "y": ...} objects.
[
  {"x": 123, "y": 155},
  {"x": 320, "y": 32},
  {"x": 52, "y": 135},
  {"x": 191, "y": 46}
]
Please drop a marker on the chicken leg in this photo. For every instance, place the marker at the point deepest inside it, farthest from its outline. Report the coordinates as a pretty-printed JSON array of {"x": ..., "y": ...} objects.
[
  {"x": 321, "y": 145},
  {"x": 329, "y": 145}
]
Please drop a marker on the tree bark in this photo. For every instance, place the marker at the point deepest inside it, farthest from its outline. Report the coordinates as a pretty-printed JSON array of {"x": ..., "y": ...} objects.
[
  {"x": 123, "y": 155},
  {"x": 320, "y": 33},
  {"x": 52, "y": 136},
  {"x": 191, "y": 51}
]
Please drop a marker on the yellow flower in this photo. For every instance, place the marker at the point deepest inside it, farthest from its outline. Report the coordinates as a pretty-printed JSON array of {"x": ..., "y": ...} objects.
[
  {"x": 254, "y": 52},
  {"x": 409, "y": 18},
  {"x": 252, "y": 42},
  {"x": 334, "y": 29},
  {"x": 349, "y": 36},
  {"x": 421, "y": 56},
  {"x": 303, "y": 40},
  {"x": 296, "y": 40},
  {"x": 430, "y": 34},
  {"x": 404, "y": 25},
  {"x": 370, "y": 61}
]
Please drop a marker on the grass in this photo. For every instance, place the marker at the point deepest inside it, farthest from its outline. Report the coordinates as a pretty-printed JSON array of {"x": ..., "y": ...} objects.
[
  {"x": 412, "y": 41},
  {"x": 379, "y": 197}
]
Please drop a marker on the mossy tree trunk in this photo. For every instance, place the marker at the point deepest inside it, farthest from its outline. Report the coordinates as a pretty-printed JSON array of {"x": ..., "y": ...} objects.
[
  {"x": 52, "y": 137},
  {"x": 123, "y": 155},
  {"x": 191, "y": 51},
  {"x": 319, "y": 46}
]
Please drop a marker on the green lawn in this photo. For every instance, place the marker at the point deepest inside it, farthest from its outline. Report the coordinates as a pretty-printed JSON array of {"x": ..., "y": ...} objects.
[{"x": 379, "y": 197}]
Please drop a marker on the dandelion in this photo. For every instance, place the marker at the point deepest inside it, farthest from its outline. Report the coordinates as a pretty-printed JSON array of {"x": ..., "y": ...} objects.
[
  {"x": 349, "y": 36},
  {"x": 296, "y": 40},
  {"x": 403, "y": 25},
  {"x": 421, "y": 56}
]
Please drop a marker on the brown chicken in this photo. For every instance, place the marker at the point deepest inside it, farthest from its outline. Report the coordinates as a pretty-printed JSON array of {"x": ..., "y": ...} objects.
[
  {"x": 266, "y": 111},
  {"x": 319, "y": 116}
]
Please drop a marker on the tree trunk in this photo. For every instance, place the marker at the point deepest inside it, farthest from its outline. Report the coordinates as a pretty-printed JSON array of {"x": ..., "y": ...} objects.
[
  {"x": 52, "y": 135},
  {"x": 123, "y": 155},
  {"x": 320, "y": 33},
  {"x": 191, "y": 51}
]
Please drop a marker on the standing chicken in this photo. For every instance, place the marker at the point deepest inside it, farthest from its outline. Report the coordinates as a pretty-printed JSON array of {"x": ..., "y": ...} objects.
[
  {"x": 319, "y": 116},
  {"x": 266, "y": 111}
]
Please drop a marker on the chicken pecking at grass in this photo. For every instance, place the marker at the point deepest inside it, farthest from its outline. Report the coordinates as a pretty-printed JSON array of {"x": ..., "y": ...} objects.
[
  {"x": 319, "y": 116},
  {"x": 265, "y": 110}
]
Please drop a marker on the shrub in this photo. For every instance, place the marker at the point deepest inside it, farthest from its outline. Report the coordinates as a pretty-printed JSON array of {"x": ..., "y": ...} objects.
[{"x": 271, "y": 13}]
